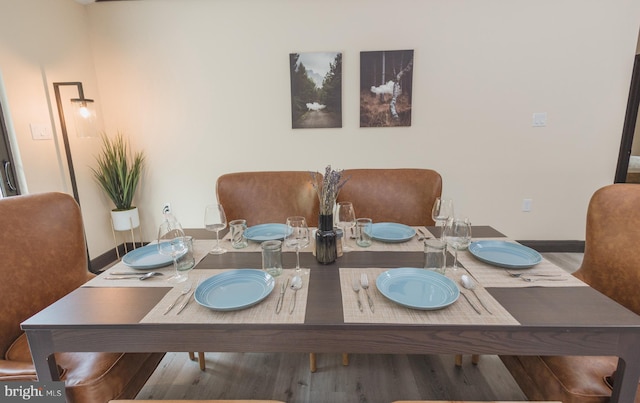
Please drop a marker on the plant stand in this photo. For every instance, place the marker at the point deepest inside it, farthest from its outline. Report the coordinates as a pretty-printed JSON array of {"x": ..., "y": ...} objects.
[{"x": 125, "y": 221}]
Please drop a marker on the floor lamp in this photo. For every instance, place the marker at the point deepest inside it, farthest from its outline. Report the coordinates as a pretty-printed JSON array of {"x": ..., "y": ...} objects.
[{"x": 84, "y": 118}]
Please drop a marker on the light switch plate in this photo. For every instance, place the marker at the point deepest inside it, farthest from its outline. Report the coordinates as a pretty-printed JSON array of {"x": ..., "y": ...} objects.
[{"x": 40, "y": 132}]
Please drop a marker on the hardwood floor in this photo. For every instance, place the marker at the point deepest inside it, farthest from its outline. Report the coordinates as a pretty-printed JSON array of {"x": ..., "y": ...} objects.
[{"x": 369, "y": 378}]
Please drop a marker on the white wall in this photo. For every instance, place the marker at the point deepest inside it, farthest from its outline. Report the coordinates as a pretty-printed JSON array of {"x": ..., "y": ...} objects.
[
  {"x": 203, "y": 87},
  {"x": 42, "y": 42}
]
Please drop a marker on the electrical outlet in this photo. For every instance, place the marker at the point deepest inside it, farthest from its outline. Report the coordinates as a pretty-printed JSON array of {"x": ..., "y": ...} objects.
[
  {"x": 166, "y": 208},
  {"x": 526, "y": 205},
  {"x": 539, "y": 119}
]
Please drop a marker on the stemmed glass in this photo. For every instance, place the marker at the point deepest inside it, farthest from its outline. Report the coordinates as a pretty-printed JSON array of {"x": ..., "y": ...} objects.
[
  {"x": 172, "y": 242},
  {"x": 346, "y": 220},
  {"x": 457, "y": 234},
  {"x": 215, "y": 220},
  {"x": 297, "y": 236},
  {"x": 441, "y": 211}
]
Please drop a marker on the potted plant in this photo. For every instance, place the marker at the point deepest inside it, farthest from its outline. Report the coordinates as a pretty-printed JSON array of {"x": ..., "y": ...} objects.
[{"x": 118, "y": 173}]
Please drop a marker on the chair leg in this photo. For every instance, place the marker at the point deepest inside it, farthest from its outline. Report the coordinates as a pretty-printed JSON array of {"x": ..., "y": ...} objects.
[
  {"x": 313, "y": 367},
  {"x": 458, "y": 360},
  {"x": 345, "y": 359},
  {"x": 201, "y": 363},
  {"x": 475, "y": 359}
]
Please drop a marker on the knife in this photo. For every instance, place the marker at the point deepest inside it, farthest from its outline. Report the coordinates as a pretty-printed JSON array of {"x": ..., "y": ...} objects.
[
  {"x": 131, "y": 273},
  {"x": 281, "y": 298}
]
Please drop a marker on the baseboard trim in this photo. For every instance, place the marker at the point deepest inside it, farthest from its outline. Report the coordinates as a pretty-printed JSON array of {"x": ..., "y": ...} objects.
[{"x": 555, "y": 246}]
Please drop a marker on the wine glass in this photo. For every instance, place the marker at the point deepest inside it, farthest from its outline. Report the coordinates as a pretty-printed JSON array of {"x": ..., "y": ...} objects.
[
  {"x": 297, "y": 236},
  {"x": 346, "y": 220},
  {"x": 172, "y": 242},
  {"x": 457, "y": 234},
  {"x": 215, "y": 220},
  {"x": 441, "y": 211}
]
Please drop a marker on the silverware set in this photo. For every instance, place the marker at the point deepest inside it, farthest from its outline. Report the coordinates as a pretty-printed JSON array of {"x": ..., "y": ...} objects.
[
  {"x": 186, "y": 290},
  {"x": 422, "y": 236},
  {"x": 132, "y": 275},
  {"x": 545, "y": 277},
  {"x": 296, "y": 284}
]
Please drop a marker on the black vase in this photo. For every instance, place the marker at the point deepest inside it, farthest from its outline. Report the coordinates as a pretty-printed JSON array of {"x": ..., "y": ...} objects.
[{"x": 326, "y": 252}]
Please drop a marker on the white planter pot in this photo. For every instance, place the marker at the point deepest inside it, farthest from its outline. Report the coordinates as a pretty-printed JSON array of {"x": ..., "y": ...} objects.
[{"x": 125, "y": 220}]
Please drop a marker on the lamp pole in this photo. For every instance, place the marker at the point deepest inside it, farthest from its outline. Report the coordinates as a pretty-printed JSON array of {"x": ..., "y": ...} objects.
[{"x": 65, "y": 137}]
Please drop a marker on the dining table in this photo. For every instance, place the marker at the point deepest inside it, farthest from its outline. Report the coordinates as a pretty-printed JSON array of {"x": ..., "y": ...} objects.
[{"x": 503, "y": 315}]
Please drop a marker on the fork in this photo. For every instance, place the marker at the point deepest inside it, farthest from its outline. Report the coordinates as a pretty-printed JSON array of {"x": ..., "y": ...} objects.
[
  {"x": 184, "y": 291},
  {"x": 364, "y": 282},
  {"x": 356, "y": 287}
]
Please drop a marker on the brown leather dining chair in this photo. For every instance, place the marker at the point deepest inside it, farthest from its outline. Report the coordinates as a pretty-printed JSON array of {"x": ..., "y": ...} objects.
[
  {"x": 403, "y": 195},
  {"x": 44, "y": 258},
  {"x": 266, "y": 197},
  {"x": 611, "y": 265}
]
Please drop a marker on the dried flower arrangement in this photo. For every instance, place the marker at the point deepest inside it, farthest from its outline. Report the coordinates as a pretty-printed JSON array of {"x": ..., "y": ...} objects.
[{"x": 328, "y": 188}]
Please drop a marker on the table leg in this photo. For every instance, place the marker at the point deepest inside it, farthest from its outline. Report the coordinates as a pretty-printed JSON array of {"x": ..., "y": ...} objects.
[
  {"x": 41, "y": 346},
  {"x": 625, "y": 383}
]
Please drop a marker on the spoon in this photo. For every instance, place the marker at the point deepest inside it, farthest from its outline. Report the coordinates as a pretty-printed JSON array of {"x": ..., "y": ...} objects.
[
  {"x": 296, "y": 284},
  {"x": 143, "y": 277},
  {"x": 469, "y": 284}
]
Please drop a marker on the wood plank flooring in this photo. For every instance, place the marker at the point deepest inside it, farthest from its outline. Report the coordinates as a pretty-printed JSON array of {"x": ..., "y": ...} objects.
[{"x": 369, "y": 378}]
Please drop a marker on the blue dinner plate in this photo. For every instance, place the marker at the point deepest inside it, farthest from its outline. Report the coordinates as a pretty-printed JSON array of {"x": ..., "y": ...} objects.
[
  {"x": 234, "y": 289},
  {"x": 266, "y": 232},
  {"x": 418, "y": 288},
  {"x": 146, "y": 257},
  {"x": 505, "y": 254},
  {"x": 391, "y": 232}
]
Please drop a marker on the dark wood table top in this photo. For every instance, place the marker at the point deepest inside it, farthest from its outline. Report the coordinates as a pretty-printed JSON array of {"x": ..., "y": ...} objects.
[{"x": 553, "y": 321}]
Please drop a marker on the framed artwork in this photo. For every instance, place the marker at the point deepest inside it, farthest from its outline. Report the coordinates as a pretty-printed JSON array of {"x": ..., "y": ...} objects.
[
  {"x": 316, "y": 90},
  {"x": 386, "y": 79}
]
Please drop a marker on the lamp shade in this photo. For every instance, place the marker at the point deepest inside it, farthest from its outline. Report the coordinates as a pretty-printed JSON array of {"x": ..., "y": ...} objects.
[{"x": 84, "y": 117}]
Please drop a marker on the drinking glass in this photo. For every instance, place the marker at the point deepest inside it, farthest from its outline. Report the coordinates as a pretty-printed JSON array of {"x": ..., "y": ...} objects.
[
  {"x": 187, "y": 261},
  {"x": 346, "y": 220},
  {"x": 171, "y": 242},
  {"x": 457, "y": 234},
  {"x": 215, "y": 220},
  {"x": 441, "y": 211},
  {"x": 297, "y": 236}
]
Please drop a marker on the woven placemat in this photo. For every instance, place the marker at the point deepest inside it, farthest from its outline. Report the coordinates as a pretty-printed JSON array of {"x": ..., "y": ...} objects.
[
  {"x": 201, "y": 248},
  {"x": 494, "y": 276},
  {"x": 263, "y": 312},
  {"x": 386, "y": 311}
]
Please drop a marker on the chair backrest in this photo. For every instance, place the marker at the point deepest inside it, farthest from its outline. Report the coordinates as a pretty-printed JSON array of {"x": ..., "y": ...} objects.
[
  {"x": 403, "y": 196},
  {"x": 44, "y": 257},
  {"x": 611, "y": 262},
  {"x": 268, "y": 197}
]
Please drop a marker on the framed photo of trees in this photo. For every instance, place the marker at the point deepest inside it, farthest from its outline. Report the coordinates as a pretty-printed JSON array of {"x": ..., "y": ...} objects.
[
  {"x": 316, "y": 89},
  {"x": 386, "y": 79}
]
